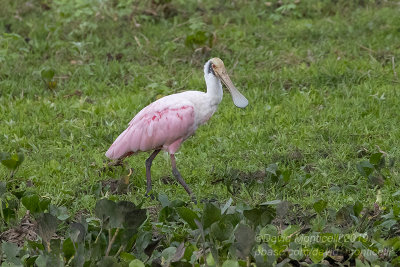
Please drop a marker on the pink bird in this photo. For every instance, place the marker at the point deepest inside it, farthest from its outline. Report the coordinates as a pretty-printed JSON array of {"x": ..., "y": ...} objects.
[{"x": 167, "y": 122}]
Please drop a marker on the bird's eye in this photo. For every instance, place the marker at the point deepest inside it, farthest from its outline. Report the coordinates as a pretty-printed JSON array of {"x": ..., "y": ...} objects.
[{"x": 211, "y": 68}]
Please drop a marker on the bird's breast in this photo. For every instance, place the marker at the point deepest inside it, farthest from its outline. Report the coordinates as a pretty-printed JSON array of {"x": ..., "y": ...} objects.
[
  {"x": 204, "y": 106},
  {"x": 205, "y": 112}
]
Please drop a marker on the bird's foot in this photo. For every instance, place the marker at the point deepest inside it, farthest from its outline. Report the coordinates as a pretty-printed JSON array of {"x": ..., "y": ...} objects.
[
  {"x": 150, "y": 195},
  {"x": 193, "y": 199}
]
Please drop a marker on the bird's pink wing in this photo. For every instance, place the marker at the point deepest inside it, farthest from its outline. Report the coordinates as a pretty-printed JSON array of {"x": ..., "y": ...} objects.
[{"x": 158, "y": 125}]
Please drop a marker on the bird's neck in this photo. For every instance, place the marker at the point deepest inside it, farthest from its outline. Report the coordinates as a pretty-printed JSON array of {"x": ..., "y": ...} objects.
[{"x": 214, "y": 88}]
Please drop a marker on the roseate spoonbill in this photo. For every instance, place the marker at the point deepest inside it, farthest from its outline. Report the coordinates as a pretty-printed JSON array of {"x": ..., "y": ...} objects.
[{"x": 167, "y": 122}]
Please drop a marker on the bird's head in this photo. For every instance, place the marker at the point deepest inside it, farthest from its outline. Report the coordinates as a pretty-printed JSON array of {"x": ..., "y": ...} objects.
[{"x": 216, "y": 67}]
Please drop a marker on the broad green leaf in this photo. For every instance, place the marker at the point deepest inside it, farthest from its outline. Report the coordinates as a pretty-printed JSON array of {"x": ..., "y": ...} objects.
[
  {"x": 290, "y": 230},
  {"x": 41, "y": 261},
  {"x": 245, "y": 239},
  {"x": 189, "y": 251},
  {"x": 375, "y": 158},
  {"x": 230, "y": 263},
  {"x": 188, "y": 216},
  {"x": 44, "y": 203},
  {"x": 79, "y": 258},
  {"x": 126, "y": 257},
  {"x": 168, "y": 254},
  {"x": 267, "y": 233},
  {"x": 107, "y": 211},
  {"x": 163, "y": 200},
  {"x": 68, "y": 248},
  {"x": 176, "y": 203},
  {"x": 60, "y": 212},
  {"x": 320, "y": 205},
  {"x": 31, "y": 203},
  {"x": 211, "y": 214},
  {"x": 20, "y": 157},
  {"x": 143, "y": 240},
  {"x": 359, "y": 263},
  {"x": 166, "y": 214},
  {"x": 47, "y": 226},
  {"x": 227, "y": 205},
  {"x": 233, "y": 219},
  {"x": 136, "y": 263},
  {"x": 35, "y": 245},
  {"x": 369, "y": 255},
  {"x": 365, "y": 168},
  {"x": 262, "y": 215},
  {"x": 47, "y": 260},
  {"x": 267, "y": 216},
  {"x": 19, "y": 193},
  {"x": 358, "y": 206},
  {"x": 295, "y": 251},
  {"x": 286, "y": 175},
  {"x": 253, "y": 215},
  {"x": 8, "y": 213},
  {"x": 12, "y": 202},
  {"x": 10, "y": 163},
  {"x": 264, "y": 255},
  {"x": 11, "y": 251},
  {"x": 133, "y": 216},
  {"x": 388, "y": 224},
  {"x": 30, "y": 261},
  {"x": 210, "y": 260},
  {"x": 108, "y": 261},
  {"x": 222, "y": 230},
  {"x": 77, "y": 232},
  {"x": 316, "y": 255},
  {"x": 47, "y": 74}
]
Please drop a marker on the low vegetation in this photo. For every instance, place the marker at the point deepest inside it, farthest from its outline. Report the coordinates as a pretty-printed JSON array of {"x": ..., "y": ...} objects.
[{"x": 307, "y": 174}]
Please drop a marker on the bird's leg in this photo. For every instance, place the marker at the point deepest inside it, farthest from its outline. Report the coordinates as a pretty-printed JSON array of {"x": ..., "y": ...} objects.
[
  {"x": 178, "y": 176},
  {"x": 149, "y": 161}
]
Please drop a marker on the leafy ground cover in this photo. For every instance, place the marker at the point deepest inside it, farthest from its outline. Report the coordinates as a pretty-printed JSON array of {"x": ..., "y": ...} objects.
[{"x": 314, "y": 154}]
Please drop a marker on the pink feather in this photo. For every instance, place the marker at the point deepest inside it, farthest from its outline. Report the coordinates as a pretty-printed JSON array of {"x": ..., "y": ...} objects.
[{"x": 164, "y": 124}]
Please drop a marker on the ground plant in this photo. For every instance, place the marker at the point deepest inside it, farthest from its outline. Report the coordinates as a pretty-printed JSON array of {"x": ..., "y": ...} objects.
[{"x": 306, "y": 175}]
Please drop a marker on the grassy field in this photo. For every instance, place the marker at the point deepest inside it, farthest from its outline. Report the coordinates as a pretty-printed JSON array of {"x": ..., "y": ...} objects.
[{"x": 321, "y": 77}]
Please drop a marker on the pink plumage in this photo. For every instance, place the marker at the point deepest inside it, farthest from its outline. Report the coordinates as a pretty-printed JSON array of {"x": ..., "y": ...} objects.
[
  {"x": 169, "y": 121},
  {"x": 164, "y": 124}
]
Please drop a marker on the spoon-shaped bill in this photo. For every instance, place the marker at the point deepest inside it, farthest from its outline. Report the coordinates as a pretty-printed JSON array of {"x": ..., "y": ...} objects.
[{"x": 238, "y": 99}]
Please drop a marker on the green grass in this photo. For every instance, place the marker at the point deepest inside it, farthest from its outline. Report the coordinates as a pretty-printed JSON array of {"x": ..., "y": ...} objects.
[{"x": 319, "y": 79}]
